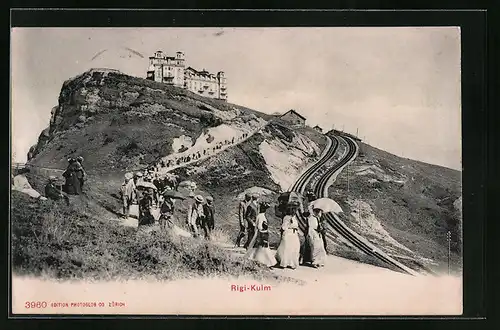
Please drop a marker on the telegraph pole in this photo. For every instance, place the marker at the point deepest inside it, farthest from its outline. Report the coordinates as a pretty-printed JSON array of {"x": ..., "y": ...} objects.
[
  {"x": 347, "y": 177},
  {"x": 357, "y": 130},
  {"x": 448, "y": 238}
]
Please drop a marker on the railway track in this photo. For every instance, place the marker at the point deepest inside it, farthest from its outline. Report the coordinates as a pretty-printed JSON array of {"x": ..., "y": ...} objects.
[{"x": 321, "y": 190}]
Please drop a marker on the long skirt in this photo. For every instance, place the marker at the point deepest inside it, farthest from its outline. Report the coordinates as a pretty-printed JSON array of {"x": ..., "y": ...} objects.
[
  {"x": 72, "y": 185},
  {"x": 315, "y": 252},
  {"x": 289, "y": 249},
  {"x": 258, "y": 250}
]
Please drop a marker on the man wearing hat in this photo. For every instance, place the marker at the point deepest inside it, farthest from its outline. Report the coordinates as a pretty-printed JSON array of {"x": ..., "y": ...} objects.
[
  {"x": 54, "y": 192},
  {"x": 251, "y": 218},
  {"x": 242, "y": 209},
  {"x": 196, "y": 214},
  {"x": 137, "y": 177},
  {"x": 128, "y": 193}
]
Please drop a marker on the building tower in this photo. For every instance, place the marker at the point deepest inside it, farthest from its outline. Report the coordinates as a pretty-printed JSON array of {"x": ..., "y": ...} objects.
[
  {"x": 166, "y": 69},
  {"x": 179, "y": 69},
  {"x": 221, "y": 79},
  {"x": 155, "y": 71}
]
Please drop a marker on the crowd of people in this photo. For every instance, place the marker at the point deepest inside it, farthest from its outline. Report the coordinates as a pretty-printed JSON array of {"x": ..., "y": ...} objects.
[
  {"x": 290, "y": 253},
  {"x": 150, "y": 192},
  {"x": 155, "y": 198},
  {"x": 176, "y": 160}
]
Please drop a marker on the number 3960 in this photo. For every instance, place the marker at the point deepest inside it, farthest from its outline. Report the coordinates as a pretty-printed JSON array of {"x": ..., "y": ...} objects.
[{"x": 35, "y": 304}]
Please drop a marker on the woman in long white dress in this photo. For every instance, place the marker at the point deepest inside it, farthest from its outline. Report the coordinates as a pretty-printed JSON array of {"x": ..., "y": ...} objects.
[
  {"x": 288, "y": 252},
  {"x": 258, "y": 249},
  {"x": 315, "y": 252}
]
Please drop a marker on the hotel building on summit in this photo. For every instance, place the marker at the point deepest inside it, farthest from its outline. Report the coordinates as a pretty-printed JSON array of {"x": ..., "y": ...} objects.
[{"x": 172, "y": 70}]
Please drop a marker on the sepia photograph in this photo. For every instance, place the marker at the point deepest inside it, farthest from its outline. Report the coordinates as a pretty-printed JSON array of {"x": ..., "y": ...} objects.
[{"x": 236, "y": 171}]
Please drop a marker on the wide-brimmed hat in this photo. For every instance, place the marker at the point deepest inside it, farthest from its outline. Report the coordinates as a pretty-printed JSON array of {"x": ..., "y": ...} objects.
[
  {"x": 129, "y": 176},
  {"x": 52, "y": 178},
  {"x": 138, "y": 174},
  {"x": 210, "y": 199},
  {"x": 199, "y": 198}
]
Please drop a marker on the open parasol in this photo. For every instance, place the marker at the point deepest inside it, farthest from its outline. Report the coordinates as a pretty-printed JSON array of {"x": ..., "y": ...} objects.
[
  {"x": 173, "y": 194},
  {"x": 326, "y": 205},
  {"x": 145, "y": 184}
]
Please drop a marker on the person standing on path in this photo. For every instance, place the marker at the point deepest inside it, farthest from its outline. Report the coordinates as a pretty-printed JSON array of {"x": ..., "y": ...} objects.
[
  {"x": 258, "y": 249},
  {"x": 242, "y": 209},
  {"x": 81, "y": 172},
  {"x": 72, "y": 185},
  {"x": 315, "y": 252},
  {"x": 145, "y": 208},
  {"x": 288, "y": 252},
  {"x": 208, "y": 224},
  {"x": 196, "y": 215},
  {"x": 128, "y": 194},
  {"x": 251, "y": 218},
  {"x": 166, "y": 212}
]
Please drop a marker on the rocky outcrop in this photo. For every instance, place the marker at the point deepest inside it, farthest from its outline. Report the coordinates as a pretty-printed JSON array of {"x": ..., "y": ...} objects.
[
  {"x": 286, "y": 155},
  {"x": 124, "y": 99}
]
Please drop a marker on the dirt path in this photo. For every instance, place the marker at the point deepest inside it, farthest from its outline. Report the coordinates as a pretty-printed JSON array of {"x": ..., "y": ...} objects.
[{"x": 192, "y": 150}]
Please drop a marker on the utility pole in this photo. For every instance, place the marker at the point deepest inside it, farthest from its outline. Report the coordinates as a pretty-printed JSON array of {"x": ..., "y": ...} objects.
[
  {"x": 347, "y": 177},
  {"x": 357, "y": 130},
  {"x": 448, "y": 238},
  {"x": 343, "y": 126}
]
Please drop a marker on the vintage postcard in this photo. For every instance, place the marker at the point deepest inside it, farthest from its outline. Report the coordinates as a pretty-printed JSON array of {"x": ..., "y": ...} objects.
[{"x": 236, "y": 171}]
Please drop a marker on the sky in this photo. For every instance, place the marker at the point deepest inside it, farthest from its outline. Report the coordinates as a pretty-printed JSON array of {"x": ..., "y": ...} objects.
[{"x": 399, "y": 87}]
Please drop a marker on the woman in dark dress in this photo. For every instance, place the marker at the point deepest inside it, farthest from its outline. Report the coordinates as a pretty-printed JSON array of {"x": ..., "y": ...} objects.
[{"x": 72, "y": 185}]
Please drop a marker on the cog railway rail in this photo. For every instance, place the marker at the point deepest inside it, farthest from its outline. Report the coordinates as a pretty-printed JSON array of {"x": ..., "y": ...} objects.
[{"x": 321, "y": 190}]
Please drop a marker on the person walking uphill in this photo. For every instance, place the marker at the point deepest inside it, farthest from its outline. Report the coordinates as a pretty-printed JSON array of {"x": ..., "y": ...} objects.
[
  {"x": 128, "y": 193},
  {"x": 251, "y": 218},
  {"x": 196, "y": 215},
  {"x": 242, "y": 209}
]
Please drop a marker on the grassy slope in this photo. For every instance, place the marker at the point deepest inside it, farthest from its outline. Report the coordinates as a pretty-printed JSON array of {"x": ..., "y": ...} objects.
[{"x": 417, "y": 214}]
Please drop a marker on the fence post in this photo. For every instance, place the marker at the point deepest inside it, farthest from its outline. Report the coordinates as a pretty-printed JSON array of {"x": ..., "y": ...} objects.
[{"x": 448, "y": 238}]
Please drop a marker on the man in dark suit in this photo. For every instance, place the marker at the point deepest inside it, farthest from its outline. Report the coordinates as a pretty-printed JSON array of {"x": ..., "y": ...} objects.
[
  {"x": 208, "y": 223},
  {"x": 242, "y": 211},
  {"x": 251, "y": 218}
]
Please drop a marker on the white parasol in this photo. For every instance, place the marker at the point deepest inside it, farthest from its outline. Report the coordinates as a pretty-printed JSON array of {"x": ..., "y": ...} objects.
[{"x": 326, "y": 205}]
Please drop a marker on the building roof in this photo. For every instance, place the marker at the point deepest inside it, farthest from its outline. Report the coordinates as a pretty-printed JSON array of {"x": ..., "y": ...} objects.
[
  {"x": 201, "y": 73},
  {"x": 294, "y": 112},
  {"x": 163, "y": 57}
]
